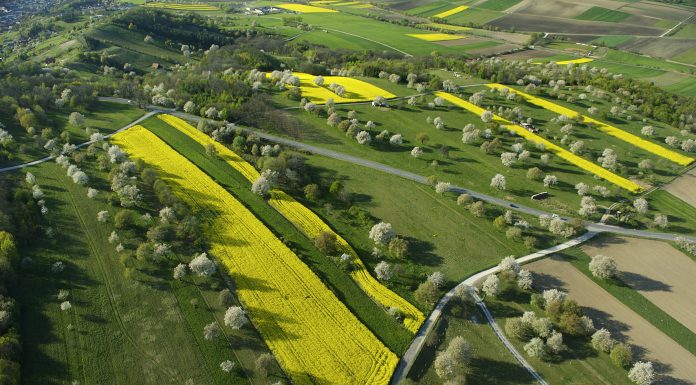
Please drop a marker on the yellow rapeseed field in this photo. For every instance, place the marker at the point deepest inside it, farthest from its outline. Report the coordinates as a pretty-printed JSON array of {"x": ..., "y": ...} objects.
[
  {"x": 451, "y": 12},
  {"x": 435, "y": 36},
  {"x": 315, "y": 338},
  {"x": 575, "y": 61},
  {"x": 309, "y": 224},
  {"x": 181, "y": 6},
  {"x": 559, "y": 151},
  {"x": 302, "y": 8},
  {"x": 445, "y": 27},
  {"x": 606, "y": 128},
  {"x": 356, "y": 90}
]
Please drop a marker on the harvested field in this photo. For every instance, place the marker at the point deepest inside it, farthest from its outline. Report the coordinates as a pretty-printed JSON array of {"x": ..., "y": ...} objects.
[
  {"x": 677, "y": 365},
  {"x": 657, "y": 47},
  {"x": 660, "y": 272},
  {"x": 684, "y": 187},
  {"x": 456, "y": 43},
  {"x": 527, "y": 54},
  {"x": 662, "y": 11},
  {"x": 494, "y": 50},
  {"x": 531, "y": 23}
]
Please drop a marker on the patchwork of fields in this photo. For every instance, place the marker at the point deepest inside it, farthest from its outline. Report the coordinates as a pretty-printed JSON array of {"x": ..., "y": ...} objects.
[
  {"x": 312, "y": 334},
  {"x": 309, "y": 224}
]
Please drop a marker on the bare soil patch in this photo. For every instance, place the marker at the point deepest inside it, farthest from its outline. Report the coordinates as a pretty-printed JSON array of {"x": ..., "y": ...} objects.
[
  {"x": 660, "y": 47},
  {"x": 662, "y": 11},
  {"x": 532, "y": 23},
  {"x": 661, "y": 273},
  {"x": 497, "y": 50},
  {"x": 458, "y": 42},
  {"x": 527, "y": 54},
  {"x": 677, "y": 365},
  {"x": 562, "y": 9},
  {"x": 684, "y": 187}
]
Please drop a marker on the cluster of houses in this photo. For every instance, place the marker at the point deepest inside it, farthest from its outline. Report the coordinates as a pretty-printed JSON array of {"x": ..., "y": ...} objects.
[
  {"x": 260, "y": 11},
  {"x": 528, "y": 126},
  {"x": 13, "y": 11}
]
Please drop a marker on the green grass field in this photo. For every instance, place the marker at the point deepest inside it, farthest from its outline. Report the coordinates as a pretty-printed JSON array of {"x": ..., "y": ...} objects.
[
  {"x": 375, "y": 318},
  {"x": 143, "y": 329},
  {"x": 346, "y": 31},
  {"x": 686, "y": 31},
  {"x": 612, "y": 41},
  {"x": 475, "y": 16},
  {"x": 497, "y": 5},
  {"x": 133, "y": 41},
  {"x": 641, "y": 305},
  {"x": 688, "y": 56},
  {"x": 685, "y": 87},
  {"x": 603, "y": 14},
  {"x": 645, "y": 61}
]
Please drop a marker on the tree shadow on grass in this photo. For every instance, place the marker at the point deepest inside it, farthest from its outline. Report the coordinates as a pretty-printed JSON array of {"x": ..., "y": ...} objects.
[{"x": 642, "y": 283}]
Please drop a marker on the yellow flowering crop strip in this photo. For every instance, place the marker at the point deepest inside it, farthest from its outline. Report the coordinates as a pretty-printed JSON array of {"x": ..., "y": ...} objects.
[
  {"x": 182, "y": 6},
  {"x": 559, "y": 151},
  {"x": 446, "y": 27},
  {"x": 451, "y": 12},
  {"x": 315, "y": 338},
  {"x": 356, "y": 90},
  {"x": 435, "y": 36},
  {"x": 611, "y": 130},
  {"x": 576, "y": 61},
  {"x": 302, "y": 8},
  {"x": 308, "y": 223}
]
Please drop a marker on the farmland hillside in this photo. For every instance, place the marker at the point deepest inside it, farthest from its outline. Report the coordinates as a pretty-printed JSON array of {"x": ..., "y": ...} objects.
[{"x": 337, "y": 192}]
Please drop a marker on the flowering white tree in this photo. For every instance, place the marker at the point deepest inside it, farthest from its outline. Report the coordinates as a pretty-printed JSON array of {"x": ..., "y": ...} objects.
[
  {"x": 602, "y": 341},
  {"x": 416, "y": 152},
  {"x": 202, "y": 265},
  {"x": 227, "y": 366},
  {"x": 442, "y": 187},
  {"x": 550, "y": 180},
  {"x": 382, "y": 233},
  {"x": 498, "y": 182},
  {"x": 508, "y": 158},
  {"x": 235, "y": 317},
  {"x": 383, "y": 271},
  {"x": 103, "y": 216},
  {"x": 180, "y": 271},
  {"x": 525, "y": 280},
  {"x": 642, "y": 373},
  {"x": 396, "y": 140},
  {"x": 661, "y": 221},
  {"x": 641, "y": 205},
  {"x": 491, "y": 286},
  {"x": 487, "y": 117},
  {"x": 602, "y": 266},
  {"x": 363, "y": 137},
  {"x": 437, "y": 279}
]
